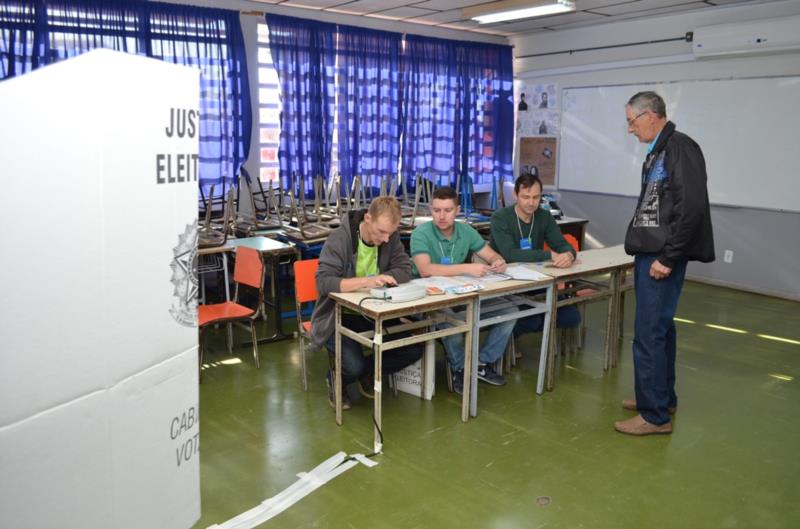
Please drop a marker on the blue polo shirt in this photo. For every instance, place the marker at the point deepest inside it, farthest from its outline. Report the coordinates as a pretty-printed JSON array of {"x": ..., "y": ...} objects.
[{"x": 426, "y": 238}]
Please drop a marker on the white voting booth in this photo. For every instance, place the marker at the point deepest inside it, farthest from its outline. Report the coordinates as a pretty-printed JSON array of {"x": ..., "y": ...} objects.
[{"x": 98, "y": 359}]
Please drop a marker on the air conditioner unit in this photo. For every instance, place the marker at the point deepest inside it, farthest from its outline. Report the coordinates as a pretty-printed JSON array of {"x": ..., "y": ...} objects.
[{"x": 769, "y": 35}]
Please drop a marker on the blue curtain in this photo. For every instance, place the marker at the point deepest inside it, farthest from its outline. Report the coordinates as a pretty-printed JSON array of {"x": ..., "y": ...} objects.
[
  {"x": 487, "y": 120},
  {"x": 33, "y": 34},
  {"x": 430, "y": 109},
  {"x": 304, "y": 57},
  {"x": 457, "y": 110},
  {"x": 368, "y": 94}
]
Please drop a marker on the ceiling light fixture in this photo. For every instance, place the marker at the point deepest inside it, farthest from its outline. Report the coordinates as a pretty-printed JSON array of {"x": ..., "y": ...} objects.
[{"x": 516, "y": 9}]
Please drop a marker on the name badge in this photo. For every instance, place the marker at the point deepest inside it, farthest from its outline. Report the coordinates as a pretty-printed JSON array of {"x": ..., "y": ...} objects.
[
  {"x": 525, "y": 244},
  {"x": 445, "y": 260}
]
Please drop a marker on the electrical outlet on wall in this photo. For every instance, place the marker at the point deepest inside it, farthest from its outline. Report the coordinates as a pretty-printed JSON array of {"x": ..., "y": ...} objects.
[{"x": 728, "y": 256}]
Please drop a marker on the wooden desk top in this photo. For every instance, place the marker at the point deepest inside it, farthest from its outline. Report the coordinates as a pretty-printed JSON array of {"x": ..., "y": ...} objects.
[
  {"x": 512, "y": 285},
  {"x": 595, "y": 261}
]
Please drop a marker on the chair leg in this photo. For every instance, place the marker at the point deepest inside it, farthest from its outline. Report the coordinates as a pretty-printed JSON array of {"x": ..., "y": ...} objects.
[
  {"x": 255, "y": 342},
  {"x": 393, "y": 382},
  {"x": 448, "y": 372},
  {"x": 302, "y": 345},
  {"x": 582, "y": 327}
]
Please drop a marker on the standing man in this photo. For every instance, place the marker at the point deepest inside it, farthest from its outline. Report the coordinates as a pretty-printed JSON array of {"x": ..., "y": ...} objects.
[
  {"x": 671, "y": 225},
  {"x": 519, "y": 233},
  {"x": 363, "y": 252},
  {"x": 442, "y": 247}
]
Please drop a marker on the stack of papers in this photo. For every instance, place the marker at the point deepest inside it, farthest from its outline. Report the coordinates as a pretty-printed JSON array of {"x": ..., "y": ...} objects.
[{"x": 520, "y": 271}]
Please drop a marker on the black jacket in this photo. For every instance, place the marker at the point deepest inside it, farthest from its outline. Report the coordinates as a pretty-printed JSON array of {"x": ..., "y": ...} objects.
[{"x": 673, "y": 217}]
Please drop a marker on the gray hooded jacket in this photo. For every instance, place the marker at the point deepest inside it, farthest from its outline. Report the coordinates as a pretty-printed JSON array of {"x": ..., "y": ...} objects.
[{"x": 338, "y": 261}]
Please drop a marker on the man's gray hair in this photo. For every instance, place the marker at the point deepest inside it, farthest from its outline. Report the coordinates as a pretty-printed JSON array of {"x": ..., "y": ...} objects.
[{"x": 648, "y": 101}]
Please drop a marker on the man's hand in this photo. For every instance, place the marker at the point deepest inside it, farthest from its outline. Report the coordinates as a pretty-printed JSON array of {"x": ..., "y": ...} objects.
[
  {"x": 659, "y": 271},
  {"x": 498, "y": 265},
  {"x": 478, "y": 269},
  {"x": 562, "y": 260},
  {"x": 379, "y": 281}
]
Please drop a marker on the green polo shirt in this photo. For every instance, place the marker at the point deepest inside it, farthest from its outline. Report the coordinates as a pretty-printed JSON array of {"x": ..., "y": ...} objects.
[{"x": 426, "y": 238}]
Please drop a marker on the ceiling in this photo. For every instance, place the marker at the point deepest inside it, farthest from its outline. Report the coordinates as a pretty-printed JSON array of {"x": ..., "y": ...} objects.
[{"x": 447, "y": 13}]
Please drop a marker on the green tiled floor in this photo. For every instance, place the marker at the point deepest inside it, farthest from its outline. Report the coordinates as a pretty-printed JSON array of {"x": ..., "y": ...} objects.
[{"x": 732, "y": 461}]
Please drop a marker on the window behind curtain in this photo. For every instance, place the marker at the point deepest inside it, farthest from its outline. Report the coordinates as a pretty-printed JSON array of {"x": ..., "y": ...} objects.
[{"x": 269, "y": 108}]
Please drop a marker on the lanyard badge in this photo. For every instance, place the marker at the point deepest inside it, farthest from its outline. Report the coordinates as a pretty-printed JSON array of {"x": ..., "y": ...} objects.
[{"x": 525, "y": 242}]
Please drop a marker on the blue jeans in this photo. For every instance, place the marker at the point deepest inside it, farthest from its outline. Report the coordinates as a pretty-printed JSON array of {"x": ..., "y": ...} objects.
[
  {"x": 493, "y": 346},
  {"x": 654, "y": 339},
  {"x": 356, "y": 365}
]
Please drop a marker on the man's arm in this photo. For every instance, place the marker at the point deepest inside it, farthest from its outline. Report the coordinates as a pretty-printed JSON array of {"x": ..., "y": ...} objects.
[
  {"x": 689, "y": 197},
  {"x": 562, "y": 253},
  {"x": 427, "y": 269},
  {"x": 495, "y": 260},
  {"x": 506, "y": 242},
  {"x": 334, "y": 265}
]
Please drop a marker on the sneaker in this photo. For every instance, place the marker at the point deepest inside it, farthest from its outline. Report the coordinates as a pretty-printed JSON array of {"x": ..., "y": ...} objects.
[
  {"x": 458, "y": 382},
  {"x": 366, "y": 386},
  {"x": 332, "y": 397},
  {"x": 488, "y": 375}
]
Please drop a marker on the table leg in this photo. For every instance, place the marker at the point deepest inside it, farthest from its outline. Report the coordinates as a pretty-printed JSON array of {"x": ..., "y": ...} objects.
[
  {"x": 474, "y": 356},
  {"x": 377, "y": 401},
  {"x": 468, "y": 364},
  {"x": 611, "y": 320},
  {"x": 544, "y": 353},
  {"x": 337, "y": 376},
  {"x": 550, "y": 336}
]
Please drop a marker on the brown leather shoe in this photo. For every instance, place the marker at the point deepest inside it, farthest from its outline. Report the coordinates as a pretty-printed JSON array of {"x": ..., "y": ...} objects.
[
  {"x": 638, "y": 426},
  {"x": 630, "y": 404}
]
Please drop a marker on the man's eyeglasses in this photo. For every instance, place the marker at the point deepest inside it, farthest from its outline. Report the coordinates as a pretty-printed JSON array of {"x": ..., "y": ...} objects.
[{"x": 633, "y": 120}]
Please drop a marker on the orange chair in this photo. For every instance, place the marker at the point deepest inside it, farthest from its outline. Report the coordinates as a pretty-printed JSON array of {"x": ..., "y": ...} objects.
[
  {"x": 249, "y": 271},
  {"x": 305, "y": 292}
]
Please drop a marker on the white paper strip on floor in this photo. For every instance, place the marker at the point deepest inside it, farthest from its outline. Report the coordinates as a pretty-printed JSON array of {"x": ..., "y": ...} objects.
[{"x": 307, "y": 483}]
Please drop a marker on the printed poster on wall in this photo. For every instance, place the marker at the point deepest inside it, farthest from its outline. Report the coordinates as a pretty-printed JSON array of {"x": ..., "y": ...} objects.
[
  {"x": 537, "y": 109},
  {"x": 537, "y": 155}
]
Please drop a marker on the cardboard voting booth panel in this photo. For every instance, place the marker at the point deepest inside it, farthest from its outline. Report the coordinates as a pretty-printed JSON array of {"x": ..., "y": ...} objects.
[
  {"x": 98, "y": 365},
  {"x": 409, "y": 379}
]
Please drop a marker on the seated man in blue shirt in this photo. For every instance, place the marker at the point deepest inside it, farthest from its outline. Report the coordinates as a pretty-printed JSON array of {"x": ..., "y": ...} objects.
[{"x": 442, "y": 248}]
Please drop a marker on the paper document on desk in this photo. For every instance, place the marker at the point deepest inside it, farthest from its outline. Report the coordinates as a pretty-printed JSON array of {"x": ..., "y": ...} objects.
[
  {"x": 451, "y": 285},
  {"x": 437, "y": 281},
  {"x": 484, "y": 280},
  {"x": 520, "y": 271}
]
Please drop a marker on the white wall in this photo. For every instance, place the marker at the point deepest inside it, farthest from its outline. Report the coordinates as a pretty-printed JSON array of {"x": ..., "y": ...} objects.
[{"x": 765, "y": 243}]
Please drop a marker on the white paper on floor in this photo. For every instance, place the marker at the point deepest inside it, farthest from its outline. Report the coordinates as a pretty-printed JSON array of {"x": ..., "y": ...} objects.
[{"x": 307, "y": 483}]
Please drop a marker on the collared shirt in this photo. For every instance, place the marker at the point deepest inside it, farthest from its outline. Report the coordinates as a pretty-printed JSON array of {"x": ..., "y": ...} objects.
[
  {"x": 428, "y": 239},
  {"x": 652, "y": 144}
]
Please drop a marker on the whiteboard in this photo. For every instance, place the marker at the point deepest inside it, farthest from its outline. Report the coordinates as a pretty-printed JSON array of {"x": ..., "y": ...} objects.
[{"x": 747, "y": 129}]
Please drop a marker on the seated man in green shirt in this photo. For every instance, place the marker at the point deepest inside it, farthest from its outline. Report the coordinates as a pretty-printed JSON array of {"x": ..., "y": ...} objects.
[
  {"x": 363, "y": 252},
  {"x": 442, "y": 247},
  {"x": 519, "y": 233}
]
